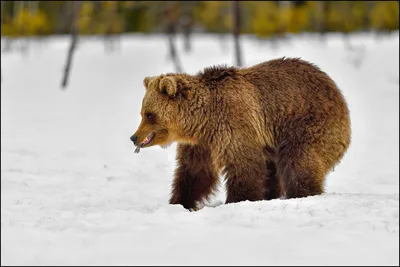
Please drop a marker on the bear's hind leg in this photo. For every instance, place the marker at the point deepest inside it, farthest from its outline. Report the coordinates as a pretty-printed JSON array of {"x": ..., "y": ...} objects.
[
  {"x": 301, "y": 171},
  {"x": 272, "y": 186},
  {"x": 195, "y": 176}
]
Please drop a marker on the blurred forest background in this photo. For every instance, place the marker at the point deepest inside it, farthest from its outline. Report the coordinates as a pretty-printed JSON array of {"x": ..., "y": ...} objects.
[
  {"x": 264, "y": 19},
  {"x": 270, "y": 20}
]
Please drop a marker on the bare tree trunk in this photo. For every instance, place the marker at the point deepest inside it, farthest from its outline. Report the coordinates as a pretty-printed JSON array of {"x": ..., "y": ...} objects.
[
  {"x": 171, "y": 31},
  {"x": 2, "y": 8},
  {"x": 17, "y": 6},
  {"x": 14, "y": 9},
  {"x": 319, "y": 19},
  {"x": 326, "y": 8},
  {"x": 236, "y": 32},
  {"x": 23, "y": 45},
  {"x": 187, "y": 24},
  {"x": 369, "y": 5},
  {"x": 223, "y": 41},
  {"x": 76, "y": 5},
  {"x": 345, "y": 8},
  {"x": 33, "y": 6},
  {"x": 7, "y": 41},
  {"x": 1, "y": 27},
  {"x": 174, "y": 53},
  {"x": 222, "y": 32},
  {"x": 110, "y": 37}
]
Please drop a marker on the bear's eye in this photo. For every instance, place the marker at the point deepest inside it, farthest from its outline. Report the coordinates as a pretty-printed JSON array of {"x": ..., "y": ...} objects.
[{"x": 149, "y": 116}]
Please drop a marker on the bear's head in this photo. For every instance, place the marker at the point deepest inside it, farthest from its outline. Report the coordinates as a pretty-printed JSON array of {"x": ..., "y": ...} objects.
[{"x": 169, "y": 110}]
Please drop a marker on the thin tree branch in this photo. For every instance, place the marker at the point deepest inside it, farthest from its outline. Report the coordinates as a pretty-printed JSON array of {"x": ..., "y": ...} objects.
[{"x": 236, "y": 32}]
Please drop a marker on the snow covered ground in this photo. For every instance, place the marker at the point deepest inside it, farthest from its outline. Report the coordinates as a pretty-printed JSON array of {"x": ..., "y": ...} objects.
[{"x": 73, "y": 191}]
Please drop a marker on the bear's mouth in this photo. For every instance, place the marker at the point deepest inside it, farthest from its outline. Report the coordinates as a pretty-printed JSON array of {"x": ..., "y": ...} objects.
[{"x": 146, "y": 141}]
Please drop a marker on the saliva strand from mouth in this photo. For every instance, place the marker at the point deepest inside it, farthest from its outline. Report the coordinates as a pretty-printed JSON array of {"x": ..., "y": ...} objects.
[{"x": 137, "y": 150}]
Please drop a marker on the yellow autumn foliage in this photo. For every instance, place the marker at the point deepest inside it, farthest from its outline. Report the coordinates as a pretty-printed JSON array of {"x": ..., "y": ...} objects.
[
  {"x": 27, "y": 23},
  {"x": 109, "y": 21},
  {"x": 214, "y": 15},
  {"x": 265, "y": 19},
  {"x": 385, "y": 15},
  {"x": 294, "y": 19},
  {"x": 84, "y": 22},
  {"x": 262, "y": 18}
]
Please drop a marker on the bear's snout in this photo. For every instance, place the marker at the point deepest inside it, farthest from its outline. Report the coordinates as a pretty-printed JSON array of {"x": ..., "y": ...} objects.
[{"x": 134, "y": 139}]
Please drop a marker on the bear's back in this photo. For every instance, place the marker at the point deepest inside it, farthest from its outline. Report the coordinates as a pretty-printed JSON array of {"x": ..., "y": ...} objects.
[
  {"x": 295, "y": 85},
  {"x": 299, "y": 99}
]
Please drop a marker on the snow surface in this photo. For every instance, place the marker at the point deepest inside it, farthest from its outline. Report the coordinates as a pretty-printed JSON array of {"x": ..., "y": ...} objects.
[{"x": 73, "y": 191}]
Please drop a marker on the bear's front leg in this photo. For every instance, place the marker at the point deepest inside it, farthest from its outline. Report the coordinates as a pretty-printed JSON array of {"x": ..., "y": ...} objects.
[
  {"x": 245, "y": 175},
  {"x": 195, "y": 176}
]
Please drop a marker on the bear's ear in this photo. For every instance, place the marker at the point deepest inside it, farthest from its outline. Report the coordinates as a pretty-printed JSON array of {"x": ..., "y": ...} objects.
[
  {"x": 168, "y": 86},
  {"x": 147, "y": 81}
]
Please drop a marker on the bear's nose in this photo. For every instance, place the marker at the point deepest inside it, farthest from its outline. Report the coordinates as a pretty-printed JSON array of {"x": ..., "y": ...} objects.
[{"x": 134, "y": 139}]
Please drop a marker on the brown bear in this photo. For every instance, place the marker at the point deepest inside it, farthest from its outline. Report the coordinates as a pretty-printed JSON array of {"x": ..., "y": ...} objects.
[{"x": 273, "y": 130}]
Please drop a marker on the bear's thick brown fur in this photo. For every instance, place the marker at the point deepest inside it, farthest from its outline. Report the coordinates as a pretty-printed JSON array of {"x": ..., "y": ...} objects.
[{"x": 273, "y": 130}]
